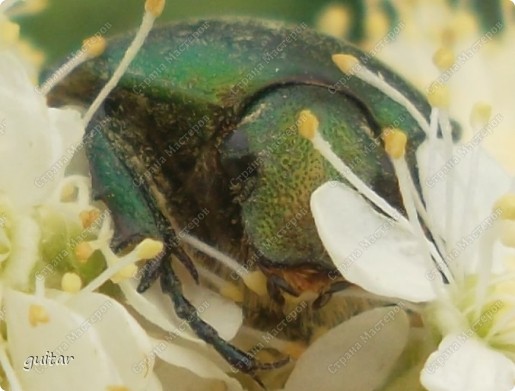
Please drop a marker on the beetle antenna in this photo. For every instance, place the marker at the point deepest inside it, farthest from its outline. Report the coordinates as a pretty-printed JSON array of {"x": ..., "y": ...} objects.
[{"x": 153, "y": 9}]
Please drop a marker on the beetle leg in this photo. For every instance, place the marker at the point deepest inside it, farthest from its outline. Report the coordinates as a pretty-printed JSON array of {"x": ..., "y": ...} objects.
[
  {"x": 324, "y": 297},
  {"x": 152, "y": 268},
  {"x": 150, "y": 273},
  {"x": 276, "y": 285},
  {"x": 239, "y": 359}
]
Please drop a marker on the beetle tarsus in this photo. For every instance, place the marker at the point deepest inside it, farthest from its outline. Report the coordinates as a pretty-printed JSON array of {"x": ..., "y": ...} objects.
[
  {"x": 276, "y": 285},
  {"x": 149, "y": 273}
]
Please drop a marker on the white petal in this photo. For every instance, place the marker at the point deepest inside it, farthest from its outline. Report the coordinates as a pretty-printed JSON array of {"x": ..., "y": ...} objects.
[
  {"x": 356, "y": 355},
  {"x": 29, "y": 142},
  {"x": 90, "y": 369},
  {"x": 67, "y": 122},
  {"x": 225, "y": 316},
  {"x": 470, "y": 207},
  {"x": 123, "y": 338},
  {"x": 367, "y": 248},
  {"x": 463, "y": 363},
  {"x": 154, "y": 314},
  {"x": 195, "y": 362},
  {"x": 24, "y": 252}
]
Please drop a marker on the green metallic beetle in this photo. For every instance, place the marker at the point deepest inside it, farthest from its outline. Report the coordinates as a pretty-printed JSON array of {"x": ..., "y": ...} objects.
[{"x": 205, "y": 123}]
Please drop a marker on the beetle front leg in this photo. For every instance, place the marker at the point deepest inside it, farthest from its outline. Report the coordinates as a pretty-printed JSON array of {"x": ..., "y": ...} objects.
[{"x": 240, "y": 360}]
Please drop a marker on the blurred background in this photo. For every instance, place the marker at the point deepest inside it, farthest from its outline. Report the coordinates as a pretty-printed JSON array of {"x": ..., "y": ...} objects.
[{"x": 59, "y": 26}]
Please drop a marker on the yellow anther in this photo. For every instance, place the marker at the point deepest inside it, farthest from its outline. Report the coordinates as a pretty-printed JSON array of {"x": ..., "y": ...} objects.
[
  {"x": 506, "y": 207},
  {"x": 465, "y": 24},
  {"x": 38, "y": 315},
  {"x": 117, "y": 388},
  {"x": 94, "y": 46},
  {"x": 377, "y": 24},
  {"x": 448, "y": 37},
  {"x": 83, "y": 251},
  {"x": 149, "y": 248},
  {"x": 32, "y": 6},
  {"x": 127, "y": 272},
  {"x": 507, "y": 236},
  {"x": 34, "y": 56},
  {"x": 71, "y": 282},
  {"x": 155, "y": 7},
  {"x": 68, "y": 193},
  {"x": 346, "y": 62},
  {"x": 444, "y": 58},
  {"x": 335, "y": 20},
  {"x": 9, "y": 32},
  {"x": 395, "y": 142},
  {"x": 88, "y": 217},
  {"x": 439, "y": 96},
  {"x": 307, "y": 124},
  {"x": 256, "y": 281},
  {"x": 232, "y": 292},
  {"x": 480, "y": 115}
]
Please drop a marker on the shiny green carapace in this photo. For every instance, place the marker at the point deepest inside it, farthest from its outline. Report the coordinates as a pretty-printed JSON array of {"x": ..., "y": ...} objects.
[{"x": 201, "y": 137}]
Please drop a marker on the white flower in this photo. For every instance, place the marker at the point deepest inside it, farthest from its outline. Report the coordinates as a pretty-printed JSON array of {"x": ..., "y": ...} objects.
[
  {"x": 481, "y": 67},
  {"x": 454, "y": 248},
  {"x": 460, "y": 267},
  {"x": 33, "y": 140},
  {"x": 49, "y": 231},
  {"x": 358, "y": 354}
]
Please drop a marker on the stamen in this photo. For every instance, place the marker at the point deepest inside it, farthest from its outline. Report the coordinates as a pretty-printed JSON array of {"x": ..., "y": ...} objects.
[
  {"x": 433, "y": 124},
  {"x": 91, "y": 47},
  {"x": 484, "y": 272},
  {"x": 71, "y": 282},
  {"x": 126, "y": 273},
  {"x": 326, "y": 151},
  {"x": 307, "y": 124},
  {"x": 38, "y": 315},
  {"x": 351, "y": 65},
  {"x": 232, "y": 292},
  {"x": 439, "y": 96},
  {"x": 291, "y": 348},
  {"x": 153, "y": 9},
  {"x": 83, "y": 251},
  {"x": 395, "y": 142},
  {"x": 395, "y": 145},
  {"x": 9, "y": 32},
  {"x": 506, "y": 206},
  {"x": 255, "y": 280},
  {"x": 450, "y": 180},
  {"x": 117, "y": 268},
  {"x": 225, "y": 288},
  {"x": 149, "y": 249},
  {"x": 335, "y": 20},
  {"x": 23, "y": 8},
  {"x": 502, "y": 323},
  {"x": 88, "y": 217},
  {"x": 479, "y": 117},
  {"x": 507, "y": 235},
  {"x": 224, "y": 259},
  {"x": 444, "y": 58},
  {"x": 68, "y": 193}
]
